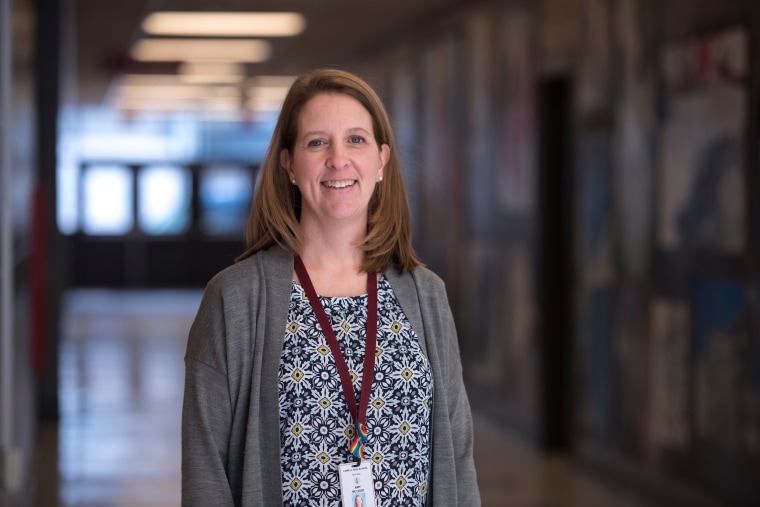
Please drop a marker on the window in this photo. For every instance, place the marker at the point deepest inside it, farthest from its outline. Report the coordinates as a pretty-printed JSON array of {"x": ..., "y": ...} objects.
[
  {"x": 163, "y": 200},
  {"x": 225, "y": 199},
  {"x": 107, "y": 200}
]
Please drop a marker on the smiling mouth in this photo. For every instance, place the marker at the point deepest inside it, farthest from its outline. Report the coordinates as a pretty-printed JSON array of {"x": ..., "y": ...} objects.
[{"x": 338, "y": 183}]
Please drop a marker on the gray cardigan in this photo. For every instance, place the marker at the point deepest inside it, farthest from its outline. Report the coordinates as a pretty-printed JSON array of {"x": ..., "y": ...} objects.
[{"x": 230, "y": 414}]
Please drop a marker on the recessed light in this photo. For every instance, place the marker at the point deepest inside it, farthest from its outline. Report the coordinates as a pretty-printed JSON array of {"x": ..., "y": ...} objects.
[
  {"x": 179, "y": 50},
  {"x": 211, "y": 72},
  {"x": 230, "y": 24}
]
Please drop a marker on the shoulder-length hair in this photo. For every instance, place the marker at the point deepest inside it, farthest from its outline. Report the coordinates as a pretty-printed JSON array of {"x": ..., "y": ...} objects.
[{"x": 276, "y": 209}]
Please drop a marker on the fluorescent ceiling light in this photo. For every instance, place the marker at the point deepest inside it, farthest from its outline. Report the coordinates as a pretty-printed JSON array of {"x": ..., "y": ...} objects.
[
  {"x": 221, "y": 24},
  {"x": 210, "y": 72},
  {"x": 148, "y": 79},
  {"x": 160, "y": 92},
  {"x": 207, "y": 68},
  {"x": 176, "y": 92},
  {"x": 180, "y": 50},
  {"x": 167, "y": 93},
  {"x": 141, "y": 104},
  {"x": 210, "y": 78},
  {"x": 168, "y": 83},
  {"x": 178, "y": 79},
  {"x": 269, "y": 92}
]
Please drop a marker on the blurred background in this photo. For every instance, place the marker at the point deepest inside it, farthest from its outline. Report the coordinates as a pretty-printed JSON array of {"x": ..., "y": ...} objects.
[{"x": 583, "y": 174}]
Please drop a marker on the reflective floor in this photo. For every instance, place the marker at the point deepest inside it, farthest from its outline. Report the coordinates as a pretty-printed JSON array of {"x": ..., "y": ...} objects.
[{"x": 118, "y": 441}]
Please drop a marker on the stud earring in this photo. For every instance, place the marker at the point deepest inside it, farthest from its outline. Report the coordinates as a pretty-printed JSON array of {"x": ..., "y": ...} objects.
[
  {"x": 381, "y": 178},
  {"x": 293, "y": 181}
]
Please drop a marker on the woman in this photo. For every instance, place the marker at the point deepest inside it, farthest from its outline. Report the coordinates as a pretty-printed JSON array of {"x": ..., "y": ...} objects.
[{"x": 276, "y": 410}]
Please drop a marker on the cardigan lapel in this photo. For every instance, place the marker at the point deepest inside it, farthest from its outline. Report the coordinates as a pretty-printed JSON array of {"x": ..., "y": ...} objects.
[
  {"x": 277, "y": 271},
  {"x": 405, "y": 288}
]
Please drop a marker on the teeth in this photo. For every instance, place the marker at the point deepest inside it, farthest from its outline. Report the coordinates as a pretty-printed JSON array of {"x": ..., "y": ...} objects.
[{"x": 339, "y": 184}]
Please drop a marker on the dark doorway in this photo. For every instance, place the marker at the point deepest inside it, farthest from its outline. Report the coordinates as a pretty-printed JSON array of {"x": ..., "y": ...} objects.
[{"x": 555, "y": 261}]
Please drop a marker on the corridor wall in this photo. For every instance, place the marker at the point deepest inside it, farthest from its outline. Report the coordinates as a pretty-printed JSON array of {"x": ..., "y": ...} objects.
[
  {"x": 17, "y": 382},
  {"x": 666, "y": 222}
]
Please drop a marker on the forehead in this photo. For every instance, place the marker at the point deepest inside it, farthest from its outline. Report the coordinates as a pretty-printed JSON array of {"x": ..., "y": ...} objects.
[{"x": 333, "y": 110}]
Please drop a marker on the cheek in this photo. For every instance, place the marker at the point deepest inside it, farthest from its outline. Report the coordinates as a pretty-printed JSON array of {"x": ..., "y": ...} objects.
[{"x": 305, "y": 163}]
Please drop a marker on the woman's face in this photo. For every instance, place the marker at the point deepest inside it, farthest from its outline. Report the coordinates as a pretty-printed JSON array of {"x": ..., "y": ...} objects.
[
  {"x": 336, "y": 161},
  {"x": 359, "y": 502}
]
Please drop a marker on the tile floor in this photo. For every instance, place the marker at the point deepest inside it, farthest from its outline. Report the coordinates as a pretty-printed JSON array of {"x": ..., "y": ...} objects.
[{"x": 118, "y": 441}]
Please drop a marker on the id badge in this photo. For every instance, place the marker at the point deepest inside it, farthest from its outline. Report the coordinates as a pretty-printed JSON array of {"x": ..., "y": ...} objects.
[{"x": 357, "y": 489}]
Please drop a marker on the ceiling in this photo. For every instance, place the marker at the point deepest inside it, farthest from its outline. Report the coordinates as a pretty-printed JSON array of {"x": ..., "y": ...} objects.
[{"x": 335, "y": 30}]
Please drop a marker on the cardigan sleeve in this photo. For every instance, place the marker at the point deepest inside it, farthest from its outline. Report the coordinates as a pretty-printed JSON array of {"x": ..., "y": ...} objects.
[
  {"x": 460, "y": 418},
  {"x": 207, "y": 408},
  {"x": 454, "y": 475}
]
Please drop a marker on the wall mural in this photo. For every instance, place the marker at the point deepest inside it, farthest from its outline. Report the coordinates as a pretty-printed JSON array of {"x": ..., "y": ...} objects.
[
  {"x": 633, "y": 349},
  {"x": 441, "y": 194},
  {"x": 634, "y": 145},
  {"x": 595, "y": 360},
  {"x": 726, "y": 382},
  {"x": 702, "y": 204},
  {"x": 479, "y": 69},
  {"x": 595, "y": 225},
  {"x": 495, "y": 131},
  {"x": 667, "y": 364},
  {"x": 668, "y": 378},
  {"x": 514, "y": 181},
  {"x": 669, "y": 419}
]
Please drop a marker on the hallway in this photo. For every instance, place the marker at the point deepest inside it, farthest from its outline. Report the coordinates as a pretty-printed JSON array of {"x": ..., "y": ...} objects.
[{"x": 118, "y": 442}]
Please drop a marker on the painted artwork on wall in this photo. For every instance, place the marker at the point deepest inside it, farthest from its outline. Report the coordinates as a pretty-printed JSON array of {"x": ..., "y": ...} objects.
[
  {"x": 440, "y": 191},
  {"x": 634, "y": 147},
  {"x": 514, "y": 182},
  {"x": 506, "y": 350},
  {"x": 479, "y": 110},
  {"x": 726, "y": 382},
  {"x": 595, "y": 247},
  {"x": 519, "y": 325},
  {"x": 669, "y": 420},
  {"x": 702, "y": 199},
  {"x": 595, "y": 362},
  {"x": 404, "y": 97},
  {"x": 633, "y": 349},
  {"x": 595, "y": 70}
]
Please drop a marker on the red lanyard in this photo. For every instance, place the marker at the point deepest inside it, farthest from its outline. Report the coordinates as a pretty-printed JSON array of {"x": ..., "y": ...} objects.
[{"x": 358, "y": 412}]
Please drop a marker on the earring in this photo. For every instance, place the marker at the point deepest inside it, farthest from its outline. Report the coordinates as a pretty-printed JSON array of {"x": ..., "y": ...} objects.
[
  {"x": 293, "y": 181},
  {"x": 381, "y": 178}
]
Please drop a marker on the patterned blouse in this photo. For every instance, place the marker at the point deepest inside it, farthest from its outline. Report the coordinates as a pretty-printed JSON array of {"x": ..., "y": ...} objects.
[{"x": 315, "y": 423}]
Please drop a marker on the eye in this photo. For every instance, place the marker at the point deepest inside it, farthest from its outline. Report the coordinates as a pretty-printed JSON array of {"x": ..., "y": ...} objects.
[
  {"x": 356, "y": 139},
  {"x": 315, "y": 142}
]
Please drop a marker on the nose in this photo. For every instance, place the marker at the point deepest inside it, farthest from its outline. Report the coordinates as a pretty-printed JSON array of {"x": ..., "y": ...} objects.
[{"x": 337, "y": 156}]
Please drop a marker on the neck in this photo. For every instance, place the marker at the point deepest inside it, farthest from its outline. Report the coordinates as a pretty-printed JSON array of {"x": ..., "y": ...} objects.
[
  {"x": 331, "y": 258},
  {"x": 332, "y": 248},
  {"x": 334, "y": 262}
]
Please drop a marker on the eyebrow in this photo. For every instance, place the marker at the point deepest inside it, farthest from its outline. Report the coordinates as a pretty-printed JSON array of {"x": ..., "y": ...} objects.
[{"x": 352, "y": 130}]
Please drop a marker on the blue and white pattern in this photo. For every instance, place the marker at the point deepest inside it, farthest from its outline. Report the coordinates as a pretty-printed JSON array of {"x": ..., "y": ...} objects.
[{"x": 315, "y": 423}]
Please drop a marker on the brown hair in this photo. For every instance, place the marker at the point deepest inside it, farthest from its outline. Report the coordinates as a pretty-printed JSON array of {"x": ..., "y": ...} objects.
[{"x": 276, "y": 206}]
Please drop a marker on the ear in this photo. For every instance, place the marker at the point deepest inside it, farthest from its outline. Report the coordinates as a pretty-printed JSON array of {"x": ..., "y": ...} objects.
[
  {"x": 385, "y": 156},
  {"x": 286, "y": 163}
]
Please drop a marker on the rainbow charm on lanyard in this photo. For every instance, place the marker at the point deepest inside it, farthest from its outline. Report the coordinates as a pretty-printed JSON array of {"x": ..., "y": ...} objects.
[{"x": 357, "y": 444}]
